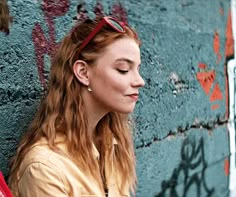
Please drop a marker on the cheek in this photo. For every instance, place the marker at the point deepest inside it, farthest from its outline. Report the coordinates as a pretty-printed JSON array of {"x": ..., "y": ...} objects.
[
  {"x": 111, "y": 81},
  {"x": 117, "y": 83}
]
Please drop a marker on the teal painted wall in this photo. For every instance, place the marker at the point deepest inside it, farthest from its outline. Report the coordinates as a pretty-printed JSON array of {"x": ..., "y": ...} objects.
[{"x": 181, "y": 137}]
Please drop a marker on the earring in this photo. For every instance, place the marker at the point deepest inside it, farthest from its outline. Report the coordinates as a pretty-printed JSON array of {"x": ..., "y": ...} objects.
[{"x": 89, "y": 89}]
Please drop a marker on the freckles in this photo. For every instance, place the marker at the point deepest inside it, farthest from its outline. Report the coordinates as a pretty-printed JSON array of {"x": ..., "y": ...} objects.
[
  {"x": 102, "y": 78},
  {"x": 111, "y": 80},
  {"x": 118, "y": 84},
  {"x": 114, "y": 81}
]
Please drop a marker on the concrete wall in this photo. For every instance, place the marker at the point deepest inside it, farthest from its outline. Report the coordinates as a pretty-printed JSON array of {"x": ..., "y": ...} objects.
[{"x": 181, "y": 139}]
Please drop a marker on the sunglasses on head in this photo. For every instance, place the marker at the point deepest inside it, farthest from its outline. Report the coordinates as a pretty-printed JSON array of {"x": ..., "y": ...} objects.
[{"x": 107, "y": 20}]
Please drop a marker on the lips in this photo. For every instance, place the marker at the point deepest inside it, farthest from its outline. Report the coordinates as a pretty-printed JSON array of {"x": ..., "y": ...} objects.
[{"x": 133, "y": 96}]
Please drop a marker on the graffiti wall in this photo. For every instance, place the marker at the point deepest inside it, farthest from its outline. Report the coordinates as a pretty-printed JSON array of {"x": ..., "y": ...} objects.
[{"x": 181, "y": 137}]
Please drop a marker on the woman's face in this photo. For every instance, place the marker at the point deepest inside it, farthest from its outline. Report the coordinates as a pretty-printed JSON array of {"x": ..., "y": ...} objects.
[{"x": 115, "y": 79}]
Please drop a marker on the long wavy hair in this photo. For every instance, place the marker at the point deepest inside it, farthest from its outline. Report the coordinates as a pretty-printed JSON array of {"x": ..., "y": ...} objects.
[
  {"x": 62, "y": 112},
  {"x": 5, "y": 18}
]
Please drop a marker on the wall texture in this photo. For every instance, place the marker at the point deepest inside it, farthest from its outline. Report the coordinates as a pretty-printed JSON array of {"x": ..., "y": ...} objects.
[{"x": 181, "y": 138}]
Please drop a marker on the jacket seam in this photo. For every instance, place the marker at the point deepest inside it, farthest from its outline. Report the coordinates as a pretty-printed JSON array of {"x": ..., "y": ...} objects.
[{"x": 52, "y": 167}]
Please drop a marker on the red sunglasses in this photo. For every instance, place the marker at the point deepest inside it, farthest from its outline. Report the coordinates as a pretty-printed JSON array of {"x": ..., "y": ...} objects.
[{"x": 112, "y": 22}]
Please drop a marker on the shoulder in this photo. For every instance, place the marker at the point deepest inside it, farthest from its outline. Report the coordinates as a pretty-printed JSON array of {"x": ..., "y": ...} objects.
[
  {"x": 41, "y": 170},
  {"x": 40, "y": 179},
  {"x": 41, "y": 156},
  {"x": 39, "y": 152}
]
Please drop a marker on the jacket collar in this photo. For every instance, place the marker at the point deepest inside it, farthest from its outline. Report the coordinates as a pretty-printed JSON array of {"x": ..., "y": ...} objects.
[
  {"x": 60, "y": 141},
  {"x": 96, "y": 152}
]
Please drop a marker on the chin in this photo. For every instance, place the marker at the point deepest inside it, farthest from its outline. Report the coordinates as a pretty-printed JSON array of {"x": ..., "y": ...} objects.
[{"x": 124, "y": 111}]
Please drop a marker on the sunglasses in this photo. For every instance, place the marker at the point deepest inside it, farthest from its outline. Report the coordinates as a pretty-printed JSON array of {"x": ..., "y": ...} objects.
[{"x": 107, "y": 20}]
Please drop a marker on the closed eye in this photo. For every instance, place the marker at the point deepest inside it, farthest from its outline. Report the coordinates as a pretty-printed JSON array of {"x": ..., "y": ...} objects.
[{"x": 122, "y": 71}]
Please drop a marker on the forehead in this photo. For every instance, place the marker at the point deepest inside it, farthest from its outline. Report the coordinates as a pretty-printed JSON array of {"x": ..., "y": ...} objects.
[{"x": 125, "y": 48}]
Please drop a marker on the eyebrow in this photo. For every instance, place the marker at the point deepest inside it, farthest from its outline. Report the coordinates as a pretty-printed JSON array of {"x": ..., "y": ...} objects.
[{"x": 129, "y": 61}]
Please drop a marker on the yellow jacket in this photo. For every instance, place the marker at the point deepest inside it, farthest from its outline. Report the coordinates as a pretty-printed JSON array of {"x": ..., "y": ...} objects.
[{"x": 44, "y": 173}]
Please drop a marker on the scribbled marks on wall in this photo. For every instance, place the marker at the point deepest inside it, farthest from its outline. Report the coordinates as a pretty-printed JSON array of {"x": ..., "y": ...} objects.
[
  {"x": 52, "y": 9},
  {"x": 5, "y": 18},
  {"x": 81, "y": 12},
  {"x": 117, "y": 11},
  {"x": 190, "y": 173},
  {"x": 178, "y": 85},
  {"x": 46, "y": 46}
]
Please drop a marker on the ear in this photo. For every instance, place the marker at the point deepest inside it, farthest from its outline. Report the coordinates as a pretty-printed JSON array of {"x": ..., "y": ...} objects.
[{"x": 80, "y": 69}]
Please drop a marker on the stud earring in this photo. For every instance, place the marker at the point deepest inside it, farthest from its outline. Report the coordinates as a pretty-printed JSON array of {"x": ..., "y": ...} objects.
[{"x": 89, "y": 89}]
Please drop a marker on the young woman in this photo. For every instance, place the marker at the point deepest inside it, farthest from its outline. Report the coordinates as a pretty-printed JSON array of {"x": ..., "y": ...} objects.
[{"x": 80, "y": 142}]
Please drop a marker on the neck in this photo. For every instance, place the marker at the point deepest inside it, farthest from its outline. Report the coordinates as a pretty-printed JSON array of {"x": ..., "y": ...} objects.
[{"x": 93, "y": 111}]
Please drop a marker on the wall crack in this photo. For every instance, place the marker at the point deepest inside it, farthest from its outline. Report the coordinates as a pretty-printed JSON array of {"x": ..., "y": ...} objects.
[{"x": 182, "y": 130}]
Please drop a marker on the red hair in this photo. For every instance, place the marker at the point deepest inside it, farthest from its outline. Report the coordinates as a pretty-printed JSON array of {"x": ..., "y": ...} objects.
[{"x": 62, "y": 111}]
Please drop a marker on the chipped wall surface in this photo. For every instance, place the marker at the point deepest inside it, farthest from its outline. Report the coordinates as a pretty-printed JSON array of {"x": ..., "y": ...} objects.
[{"x": 181, "y": 137}]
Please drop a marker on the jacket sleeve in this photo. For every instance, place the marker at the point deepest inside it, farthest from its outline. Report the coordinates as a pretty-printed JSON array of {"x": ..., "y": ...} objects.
[{"x": 40, "y": 180}]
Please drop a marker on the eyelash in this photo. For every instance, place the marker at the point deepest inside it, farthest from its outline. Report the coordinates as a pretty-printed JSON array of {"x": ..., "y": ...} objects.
[{"x": 122, "y": 71}]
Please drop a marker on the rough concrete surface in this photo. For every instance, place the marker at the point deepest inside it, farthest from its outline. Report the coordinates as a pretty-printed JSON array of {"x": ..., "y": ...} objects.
[{"x": 181, "y": 136}]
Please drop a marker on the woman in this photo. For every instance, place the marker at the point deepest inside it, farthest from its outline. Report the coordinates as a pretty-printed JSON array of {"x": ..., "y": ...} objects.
[{"x": 80, "y": 142}]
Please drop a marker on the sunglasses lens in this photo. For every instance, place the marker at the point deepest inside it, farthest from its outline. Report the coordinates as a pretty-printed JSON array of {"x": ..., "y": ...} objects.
[{"x": 116, "y": 25}]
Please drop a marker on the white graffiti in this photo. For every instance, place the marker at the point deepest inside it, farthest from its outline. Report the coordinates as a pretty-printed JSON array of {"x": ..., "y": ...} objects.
[{"x": 231, "y": 69}]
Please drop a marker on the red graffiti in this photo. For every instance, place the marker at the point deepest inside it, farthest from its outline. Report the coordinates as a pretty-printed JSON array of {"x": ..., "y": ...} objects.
[
  {"x": 221, "y": 10},
  {"x": 202, "y": 65},
  {"x": 216, "y": 46},
  {"x": 42, "y": 44},
  {"x": 117, "y": 11},
  {"x": 120, "y": 13},
  {"x": 226, "y": 167},
  {"x": 229, "y": 44},
  {"x": 98, "y": 10},
  {"x": 214, "y": 107},
  {"x": 207, "y": 81},
  {"x": 54, "y": 8},
  {"x": 216, "y": 94}
]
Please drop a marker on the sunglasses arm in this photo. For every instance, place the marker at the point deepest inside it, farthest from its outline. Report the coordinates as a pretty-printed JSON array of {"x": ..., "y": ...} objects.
[{"x": 92, "y": 34}]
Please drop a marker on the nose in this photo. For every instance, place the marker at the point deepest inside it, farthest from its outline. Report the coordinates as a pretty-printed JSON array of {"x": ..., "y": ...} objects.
[{"x": 138, "y": 81}]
